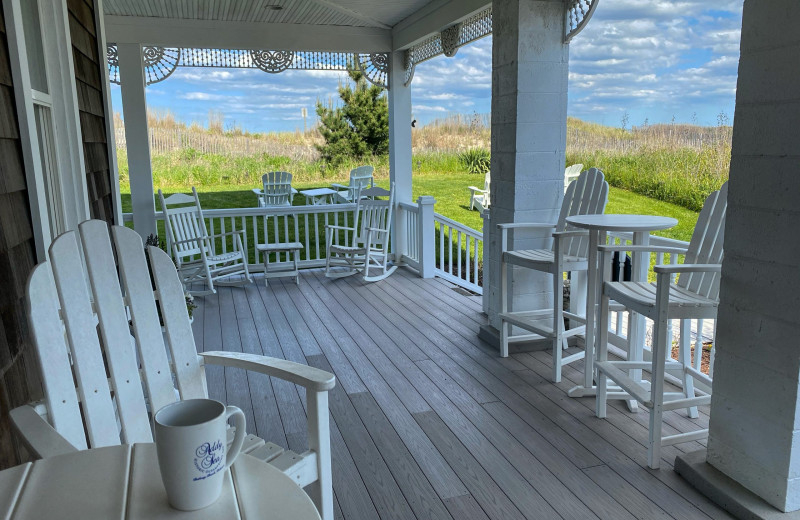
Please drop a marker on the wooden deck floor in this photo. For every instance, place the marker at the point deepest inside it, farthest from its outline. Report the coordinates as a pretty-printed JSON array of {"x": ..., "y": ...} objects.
[{"x": 427, "y": 421}]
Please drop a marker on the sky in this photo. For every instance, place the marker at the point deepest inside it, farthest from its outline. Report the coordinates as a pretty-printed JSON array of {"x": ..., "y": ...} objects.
[{"x": 637, "y": 62}]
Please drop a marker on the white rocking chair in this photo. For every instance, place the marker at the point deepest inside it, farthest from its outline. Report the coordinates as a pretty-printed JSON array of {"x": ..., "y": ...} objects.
[
  {"x": 585, "y": 196},
  {"x": 694, "y": 296},
  {"x": 361, "y": 178},
  {"x": 105, "y": 378},
  {"x": 194, "y": 249},
  {"x": 369, "y": 240}
]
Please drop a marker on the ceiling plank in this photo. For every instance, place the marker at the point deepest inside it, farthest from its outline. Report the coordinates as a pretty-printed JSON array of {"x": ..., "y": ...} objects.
[
  {"x": 171, "y": 32},
  {"x": 350, "y": 12},
  {"x": 432, "y": 18}
]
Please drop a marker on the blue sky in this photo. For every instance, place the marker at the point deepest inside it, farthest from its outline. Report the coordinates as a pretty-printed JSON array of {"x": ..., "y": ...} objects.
[{"x": 653, "y": 60}]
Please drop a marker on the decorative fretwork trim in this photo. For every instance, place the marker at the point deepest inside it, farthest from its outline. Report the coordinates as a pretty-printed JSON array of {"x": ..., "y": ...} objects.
[
  {"x": 578, "y": 14},
  {"x": 448, "y": 41},
  {"x": 160, "y": 62}
]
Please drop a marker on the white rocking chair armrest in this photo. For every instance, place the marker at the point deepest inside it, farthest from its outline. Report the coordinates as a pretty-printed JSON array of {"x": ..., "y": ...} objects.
[
  {"x": 479, "y": 190},
  {"x": 37, "y": 434},
  {"x": 228, "y": 233},
  {"x": 687, "y": 268},
  {"x": 346, "y": 228},
  {"x": 308, "y": 377},
  {"x": 378, "y": 230},
  {"x": 642, "y": 249}
]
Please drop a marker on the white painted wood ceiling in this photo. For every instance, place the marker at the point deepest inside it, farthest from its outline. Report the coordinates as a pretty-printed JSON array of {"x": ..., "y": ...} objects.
[{"x": 355, "y": 13}]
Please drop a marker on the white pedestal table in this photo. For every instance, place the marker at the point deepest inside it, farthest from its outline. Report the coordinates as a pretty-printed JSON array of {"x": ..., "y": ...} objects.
[{"x": 598, "y": 227}]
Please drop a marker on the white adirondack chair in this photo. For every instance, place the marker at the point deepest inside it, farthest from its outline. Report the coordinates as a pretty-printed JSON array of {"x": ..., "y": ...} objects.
[
  {"x": 571, "y": 173},
  {"x": 480, "y": 197},
  {"x": 587, "y": 195},
  {"x": 194, "y": 250},
  {"x": 369, "y": 241},
  {"x": 104, "y": 379},
  {"x": 361, "y": 178},
  {"x": 695, "y": 295},
  {"x": 276, "y": 189}
]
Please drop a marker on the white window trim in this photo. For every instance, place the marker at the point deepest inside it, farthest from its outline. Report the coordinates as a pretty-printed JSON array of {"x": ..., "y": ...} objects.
[{"x": 66, "y": 120}]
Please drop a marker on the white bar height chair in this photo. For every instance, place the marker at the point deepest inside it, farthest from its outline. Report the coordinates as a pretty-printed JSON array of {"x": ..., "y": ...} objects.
[{"x": 695, "y": 295}]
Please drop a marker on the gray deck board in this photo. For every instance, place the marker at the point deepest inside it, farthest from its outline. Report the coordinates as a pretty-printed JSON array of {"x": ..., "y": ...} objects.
[{"x": 426, "y": 420}]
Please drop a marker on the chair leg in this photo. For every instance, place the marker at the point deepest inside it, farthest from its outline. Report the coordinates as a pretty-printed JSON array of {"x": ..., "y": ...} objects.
[
  {"x": 602, "y": 355},
  {"x": 660, "y": 346},
  {"x": 505, "y": 306},
  {"x": 319, "y": 441},
  {"x": 558, "y": 321},
  {"x": 686, "y": 361}
]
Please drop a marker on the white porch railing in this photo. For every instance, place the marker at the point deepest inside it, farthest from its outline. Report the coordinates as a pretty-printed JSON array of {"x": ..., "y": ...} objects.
[
  {"x": 460, "y": 253},
  {"x": 304, "y": 224}
]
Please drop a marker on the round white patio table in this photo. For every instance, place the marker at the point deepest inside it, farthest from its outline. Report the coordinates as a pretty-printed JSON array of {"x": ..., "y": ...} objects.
[
  {"x": 599, "y": 226},
  {"x": 123, "y": 482}
]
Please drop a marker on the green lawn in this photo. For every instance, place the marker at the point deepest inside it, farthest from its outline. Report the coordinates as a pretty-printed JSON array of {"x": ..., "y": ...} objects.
[{"x": 452, "y": 200}]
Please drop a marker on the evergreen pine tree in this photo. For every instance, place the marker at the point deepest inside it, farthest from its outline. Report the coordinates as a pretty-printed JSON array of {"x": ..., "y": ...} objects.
[{"x": 358, "y": 128}]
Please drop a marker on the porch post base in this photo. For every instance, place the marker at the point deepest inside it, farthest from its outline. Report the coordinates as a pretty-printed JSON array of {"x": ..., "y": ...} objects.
[{"x": 724, "y": 491}]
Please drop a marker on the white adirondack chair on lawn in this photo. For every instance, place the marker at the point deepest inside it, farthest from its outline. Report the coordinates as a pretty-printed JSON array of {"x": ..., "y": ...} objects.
[
  {"x": 274, "y": 186},
  {"x": 361, "y": 178},
  {"x": 694, "y": 296},
  {"x": 98, "y": 391},
  {"x": 369, "y": 240},
  {"x": 571, "y": 173},
  {"x": 585, "y": 196},
  {"x": 194, "y": 250},
  {"x": 480, "y": 197}
]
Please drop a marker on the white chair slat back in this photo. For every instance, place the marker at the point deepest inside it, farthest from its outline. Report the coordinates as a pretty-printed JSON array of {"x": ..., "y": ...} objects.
[
  {"x": 135, "y": 278},
  {"x": 188, "y": 371},
  {"x": 186, "y": 229},
  {"x": 706, "y": 245},
  {"x": 376, "y": 214},
  {"x": 81, "y": 325},
  {"x": 587, "y": 195},
  {"x": 120, "y": 355},
  {"x": 47, "y": 330}
]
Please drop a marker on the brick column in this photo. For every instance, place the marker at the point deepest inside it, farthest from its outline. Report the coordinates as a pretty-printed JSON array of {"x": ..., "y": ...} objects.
[
  {"x": 754, "y": 433},
  {"x": 529, "y": 121}
]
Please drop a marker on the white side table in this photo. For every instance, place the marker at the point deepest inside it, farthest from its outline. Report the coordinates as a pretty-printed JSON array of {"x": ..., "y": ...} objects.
[
  {"x": 124, "y": 482},
  {"x": 599, "y": 226},
  {"x": 318, "y": 196}
]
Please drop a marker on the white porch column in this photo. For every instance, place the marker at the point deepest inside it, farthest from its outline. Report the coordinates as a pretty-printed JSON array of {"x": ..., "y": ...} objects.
[
  {"x": 529, "y": 119},
  {"x": 399, "y": 129},
  {"x": 754, "y": 433},
  {"x": 134, "y": 109}
]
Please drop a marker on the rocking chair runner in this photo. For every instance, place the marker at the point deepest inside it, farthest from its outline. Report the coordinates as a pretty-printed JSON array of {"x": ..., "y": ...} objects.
[
  {"x": 103, "y": 387},
  {"x": 369, "y": 245},
  {"x": 194, "y": 249}
]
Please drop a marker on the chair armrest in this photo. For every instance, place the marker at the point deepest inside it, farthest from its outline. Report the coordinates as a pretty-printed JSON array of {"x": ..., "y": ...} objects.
[
  {"x": 531, "y": 225},
  {"x": 341, "y": 186},
  {"x": 258, "y": 191},
  {"x": 687, "y": 268},
  {"x": 643, "y": 249},
  {"x": 331, "y": 226},
  {"x": 479, "y": 190},
  {"x": 308, "y": 377},
  {"x": 37, "y": 434},
  {"x": 377, "y": 230},
  {"x": 229, "y": 233}
]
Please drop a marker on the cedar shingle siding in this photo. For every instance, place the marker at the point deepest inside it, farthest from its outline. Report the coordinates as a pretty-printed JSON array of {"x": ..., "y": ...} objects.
[
  {"x": 19, "y": 379},
  {"x": 19, "y": 373},
  {"x": 89, "y": 86}
]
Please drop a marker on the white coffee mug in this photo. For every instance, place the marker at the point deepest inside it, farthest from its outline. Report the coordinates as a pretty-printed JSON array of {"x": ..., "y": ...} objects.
[{"x": 190, "y": 441}]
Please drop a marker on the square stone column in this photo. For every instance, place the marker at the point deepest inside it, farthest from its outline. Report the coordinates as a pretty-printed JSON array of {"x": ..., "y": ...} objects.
[
  {"x": 529, "y": 124},
  {"x": 754, "y": 433}
]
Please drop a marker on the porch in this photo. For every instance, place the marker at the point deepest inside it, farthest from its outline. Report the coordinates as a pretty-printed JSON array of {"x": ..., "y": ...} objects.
[{"x": 427, "y": 421}]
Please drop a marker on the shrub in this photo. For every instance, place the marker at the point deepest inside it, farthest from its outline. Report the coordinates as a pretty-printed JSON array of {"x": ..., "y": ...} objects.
[{"x": 475, "y": 160}]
